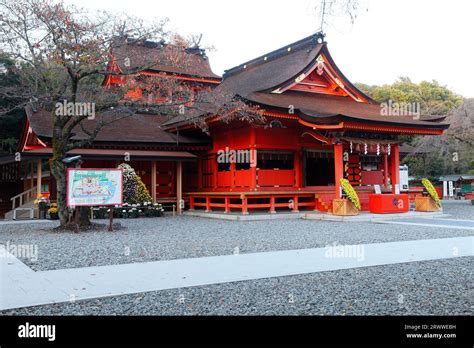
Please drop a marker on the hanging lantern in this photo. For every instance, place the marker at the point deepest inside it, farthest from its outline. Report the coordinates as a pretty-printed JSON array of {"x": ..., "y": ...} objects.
[
  {"x": 378, "y": 149},
  {"x": 365, "y": 149}
]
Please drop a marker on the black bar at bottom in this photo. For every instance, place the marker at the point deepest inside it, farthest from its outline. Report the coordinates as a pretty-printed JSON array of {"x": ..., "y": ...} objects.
[{"x": 413, "y": 331}]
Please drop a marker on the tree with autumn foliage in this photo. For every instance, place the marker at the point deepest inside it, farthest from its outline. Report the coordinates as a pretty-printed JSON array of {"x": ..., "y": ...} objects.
[{"x": 62, "y": 53}]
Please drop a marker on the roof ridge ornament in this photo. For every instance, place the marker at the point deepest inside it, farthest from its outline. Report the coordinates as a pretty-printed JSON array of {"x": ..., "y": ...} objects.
[{"x": 319, "y": 36}]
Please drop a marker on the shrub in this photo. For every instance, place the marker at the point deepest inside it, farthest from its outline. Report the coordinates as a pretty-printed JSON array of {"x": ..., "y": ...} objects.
[
  {"x": 141, "y": 194},
  {"x": 130, "y": 211},
  {"x": 134, "y": 190},
  {"x": 431, "y": 191},
  {"x": 350, "y": 192}
]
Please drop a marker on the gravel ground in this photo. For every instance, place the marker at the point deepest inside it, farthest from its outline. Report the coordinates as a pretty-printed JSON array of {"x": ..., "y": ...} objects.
[
  {"x": 459, "y": 209},
  {"x": 442, "y": 287},
  {"x": 185, "y": 237}
]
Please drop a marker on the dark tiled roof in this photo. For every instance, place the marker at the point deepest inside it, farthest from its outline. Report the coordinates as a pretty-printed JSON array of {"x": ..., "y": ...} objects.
[
  {"x": 325, "y": 109},
  {"x": 457, "y": 177},
  {"x": 254, "y": 81},
  {"x": 266, "y": 71},
  {"x": 307, "y": 43},
  {"x": 138, "y": 128},
  {"x": 163, "y": 57},
  {"x": 279, "y": 67}
]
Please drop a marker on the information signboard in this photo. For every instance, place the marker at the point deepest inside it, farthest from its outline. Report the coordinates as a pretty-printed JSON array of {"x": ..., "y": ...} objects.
[{"x": 94, "y": 187}]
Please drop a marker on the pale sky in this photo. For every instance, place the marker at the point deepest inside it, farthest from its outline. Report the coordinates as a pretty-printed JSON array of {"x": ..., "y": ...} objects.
[{"x": 421, "y": 39}]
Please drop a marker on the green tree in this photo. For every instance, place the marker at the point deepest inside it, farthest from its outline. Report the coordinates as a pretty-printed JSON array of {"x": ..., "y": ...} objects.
[
  {"x": 450, "y": 153},
  {"x": 12, "y": 122},
  {"x": 434, "y": 99}
]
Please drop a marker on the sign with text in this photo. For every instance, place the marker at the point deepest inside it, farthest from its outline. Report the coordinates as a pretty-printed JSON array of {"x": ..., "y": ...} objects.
[{"x": 94, "y": 187}]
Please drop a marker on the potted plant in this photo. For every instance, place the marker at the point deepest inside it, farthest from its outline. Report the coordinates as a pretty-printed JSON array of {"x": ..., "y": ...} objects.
[
  {"x": 42, "y": 204},
  {"x": 431, "y": 201},
  {"x": 53, "y": 212},
  {"x": 348, "y": 206}
]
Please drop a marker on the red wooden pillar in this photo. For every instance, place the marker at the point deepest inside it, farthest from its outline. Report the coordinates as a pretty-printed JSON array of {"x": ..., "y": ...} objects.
[
  {"x": 191, "y": 203},
  {"x": 295, "y": 204},
  {"x": 53, "y": 190},
  {"x": 316, "y": 202},
  {"x": 38, "y": 178},
  {"x": 179, "y": 187},
  {"x": 153, "y": 181},
  {"x": 245, "y": 209},
  {"x": 227, "y": 202},
  {"x": 208, "y": 204},
  {"x": 214, "y": 170},
  {"x": 232, "y": 175},
  {"x": 395, "y": 161},
  {"x": 385, "y": 169},
  {"x": 338, "y": 167},
  {"x": 253, "y": 155},
  {"x": 200, "y": 174},
  {"x": 272, "y": 205},
  {"x": 298, "y": 168}
]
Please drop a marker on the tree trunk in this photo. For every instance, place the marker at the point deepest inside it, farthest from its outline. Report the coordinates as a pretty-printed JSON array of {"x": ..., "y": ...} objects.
[
  {"x": 84, "y": 220},
  {"x": 60, "y": 142},
  {"x": 59, "y": 172}
]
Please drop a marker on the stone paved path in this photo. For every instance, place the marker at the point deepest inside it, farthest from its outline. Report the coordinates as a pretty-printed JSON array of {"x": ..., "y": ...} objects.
[
  {"x": 434, "y": 222},
  {"x": 22, "y": 287}
]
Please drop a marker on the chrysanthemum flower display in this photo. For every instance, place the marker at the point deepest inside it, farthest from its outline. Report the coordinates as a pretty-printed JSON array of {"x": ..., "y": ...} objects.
[
  {"x": 350, "y": 192},
  {"x": 134, "y": 190},
  {"x": 431, "y": 191}
]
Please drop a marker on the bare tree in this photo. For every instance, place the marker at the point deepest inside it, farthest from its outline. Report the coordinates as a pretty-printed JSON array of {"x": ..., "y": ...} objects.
[
  {"x": 62, "y": 52},
  {"x": 462, "y": 123},
  {"x": 328, "y": 10}
]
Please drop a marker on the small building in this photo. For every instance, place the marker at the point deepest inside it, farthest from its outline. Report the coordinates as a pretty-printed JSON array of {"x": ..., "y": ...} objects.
[
  {"x": 457, "y": 186},
  {"x": 320, "y": 128}
]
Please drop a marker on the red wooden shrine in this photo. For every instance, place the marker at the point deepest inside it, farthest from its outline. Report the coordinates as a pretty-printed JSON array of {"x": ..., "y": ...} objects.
[{"x": 319, "y": 128}]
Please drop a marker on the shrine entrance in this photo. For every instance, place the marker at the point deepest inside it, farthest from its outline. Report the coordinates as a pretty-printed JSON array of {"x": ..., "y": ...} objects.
[{"x": 318, "y": 168}]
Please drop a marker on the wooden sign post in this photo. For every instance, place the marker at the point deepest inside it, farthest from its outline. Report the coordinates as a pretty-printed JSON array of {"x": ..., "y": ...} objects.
[
  {"x": 77, "y": 217},
  {"x": 111, "y": 219}
]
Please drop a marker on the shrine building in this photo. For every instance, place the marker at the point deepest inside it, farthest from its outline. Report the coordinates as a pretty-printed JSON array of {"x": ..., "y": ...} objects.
[{"x": 319, "y": 128}]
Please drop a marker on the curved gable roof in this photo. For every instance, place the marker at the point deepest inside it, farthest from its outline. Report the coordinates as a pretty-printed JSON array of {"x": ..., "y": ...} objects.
[
  {"x": 271, "y": 70},
  {"x": 158, "y": 56},
  {"x": 266, "y": 81}
]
